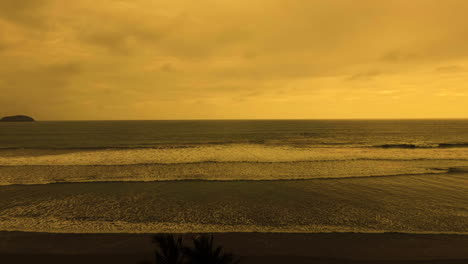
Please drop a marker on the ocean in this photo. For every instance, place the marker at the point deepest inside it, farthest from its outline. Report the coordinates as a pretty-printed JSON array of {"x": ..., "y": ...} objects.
[{"x": 234, "y": 176}]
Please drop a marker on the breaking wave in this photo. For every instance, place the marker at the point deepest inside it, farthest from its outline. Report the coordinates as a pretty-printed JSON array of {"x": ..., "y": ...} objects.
[
  {"x": 264, "y": 143},
  {"x": 224, "y": 171},
  {"x": 222, "y": 153},
  {"x": 415, "y": 146}
]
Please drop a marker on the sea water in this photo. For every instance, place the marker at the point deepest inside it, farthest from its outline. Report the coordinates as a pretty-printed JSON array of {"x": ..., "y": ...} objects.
[{"x": 236, "y": 175}]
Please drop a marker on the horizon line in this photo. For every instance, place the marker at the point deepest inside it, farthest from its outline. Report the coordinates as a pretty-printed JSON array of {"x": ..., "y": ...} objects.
[{"x": 259, "y": 119}]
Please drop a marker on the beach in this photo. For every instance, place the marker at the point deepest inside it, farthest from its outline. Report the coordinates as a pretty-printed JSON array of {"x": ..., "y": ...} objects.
[
  {"x": 336, "y": 248},
  {"x": 289, "y": 131},
  {"x": 427, "y": 203},
  {"x": 346, "y": 220}
]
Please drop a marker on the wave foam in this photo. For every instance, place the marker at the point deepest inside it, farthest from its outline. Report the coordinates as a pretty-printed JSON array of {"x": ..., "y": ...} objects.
[
  {"x": 223, "y": 153},
  {"x": 220, "y": 171}
]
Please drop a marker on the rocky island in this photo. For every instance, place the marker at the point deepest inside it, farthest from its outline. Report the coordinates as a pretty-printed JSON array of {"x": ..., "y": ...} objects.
[{"x": 17, "y": 118}]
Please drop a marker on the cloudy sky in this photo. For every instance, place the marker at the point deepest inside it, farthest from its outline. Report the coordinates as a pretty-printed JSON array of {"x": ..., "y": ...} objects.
[{"x": 216, "y": 59}]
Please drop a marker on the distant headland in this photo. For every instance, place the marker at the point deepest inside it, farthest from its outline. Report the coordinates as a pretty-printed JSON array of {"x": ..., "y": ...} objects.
[{"x": 17, "y": 118}]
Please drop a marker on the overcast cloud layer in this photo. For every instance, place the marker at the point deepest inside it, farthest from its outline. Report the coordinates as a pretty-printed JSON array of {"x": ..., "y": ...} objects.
[{"x": 214, "y": 59}]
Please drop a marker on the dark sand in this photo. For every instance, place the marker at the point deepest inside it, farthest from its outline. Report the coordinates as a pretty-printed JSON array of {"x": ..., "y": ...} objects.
[{"x": 22, "y": 247}]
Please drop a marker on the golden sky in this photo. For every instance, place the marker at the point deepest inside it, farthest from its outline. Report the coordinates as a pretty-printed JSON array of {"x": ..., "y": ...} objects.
[{"x": 216, "y": 59}]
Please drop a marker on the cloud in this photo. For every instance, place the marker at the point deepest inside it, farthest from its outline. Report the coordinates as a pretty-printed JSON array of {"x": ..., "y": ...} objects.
[
  {"x": 39, "y": 82},
  {"x": 142, "y": 58},
  {"x": 399, "y": 57},
  {"x": 364, "y": 76},
  {"x": 26, "y": 12},
  {"x": 450, "y": 69}
]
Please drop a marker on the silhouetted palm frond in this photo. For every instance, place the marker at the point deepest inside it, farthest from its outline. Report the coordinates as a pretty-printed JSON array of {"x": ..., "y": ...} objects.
[
  {"x": 204, "y": 252},
  {"x": 169, "y": 249}
]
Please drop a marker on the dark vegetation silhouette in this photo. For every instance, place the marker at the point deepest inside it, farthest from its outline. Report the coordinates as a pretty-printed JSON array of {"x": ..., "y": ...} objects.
[
  {"x": 205, "y": 252},
  {"x": 170, "y": 250}
]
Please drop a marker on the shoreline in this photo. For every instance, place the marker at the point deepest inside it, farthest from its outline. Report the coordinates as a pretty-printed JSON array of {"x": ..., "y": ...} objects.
[
  {"x": 380, "y": 204},
  {"x": 28, "y": 247}
]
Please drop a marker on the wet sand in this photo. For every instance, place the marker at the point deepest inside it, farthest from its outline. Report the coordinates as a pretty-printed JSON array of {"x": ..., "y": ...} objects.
[
  {"x": 432, "y": 203},
  {"x": 380, "y": 248}
]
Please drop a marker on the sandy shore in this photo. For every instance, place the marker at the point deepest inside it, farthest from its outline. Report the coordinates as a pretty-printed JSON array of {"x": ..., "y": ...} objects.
[{"x": 22, "y": 247}]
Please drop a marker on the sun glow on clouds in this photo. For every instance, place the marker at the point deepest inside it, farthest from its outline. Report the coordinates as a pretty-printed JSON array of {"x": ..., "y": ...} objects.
[{"x": 146, "y": 59}]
